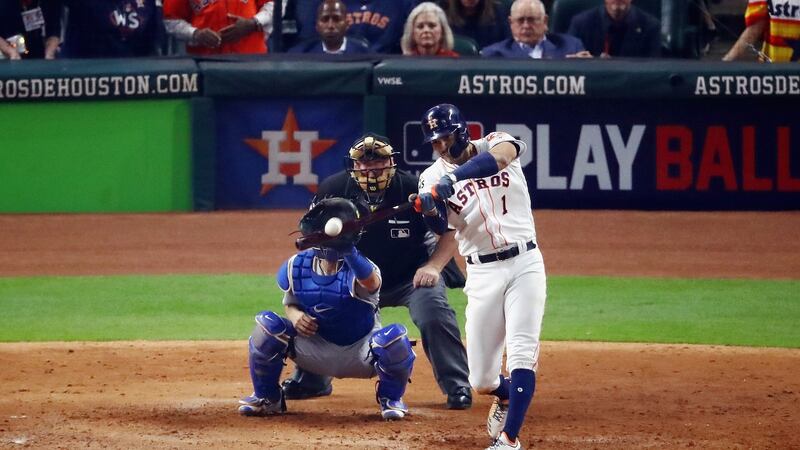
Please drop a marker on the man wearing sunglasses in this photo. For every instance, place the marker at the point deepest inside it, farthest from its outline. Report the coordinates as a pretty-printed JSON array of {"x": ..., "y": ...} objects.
[{"x": 530, "y": 38}]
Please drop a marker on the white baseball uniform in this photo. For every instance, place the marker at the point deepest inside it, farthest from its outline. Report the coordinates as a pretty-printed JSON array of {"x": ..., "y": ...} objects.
[{"x": 505, "y": 297}]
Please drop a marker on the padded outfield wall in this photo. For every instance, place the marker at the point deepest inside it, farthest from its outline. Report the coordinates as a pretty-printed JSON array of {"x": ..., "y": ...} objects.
[
  {"x": 96, "y": 136},
  {"x": 262, "y": 132}
]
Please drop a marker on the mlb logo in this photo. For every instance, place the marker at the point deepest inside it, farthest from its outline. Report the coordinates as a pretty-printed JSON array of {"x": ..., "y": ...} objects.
[
  {"x": 400, "y": 233},
  {"x": 418, "y": 153}
]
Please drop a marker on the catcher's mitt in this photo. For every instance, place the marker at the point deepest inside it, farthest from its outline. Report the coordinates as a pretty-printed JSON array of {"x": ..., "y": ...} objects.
[{"x": 313, "y": 222}]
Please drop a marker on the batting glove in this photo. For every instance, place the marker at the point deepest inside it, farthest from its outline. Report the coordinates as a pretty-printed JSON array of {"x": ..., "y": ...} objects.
[
  {"x": 445, "y": 189},
  {"x": 428, "y": 204}
]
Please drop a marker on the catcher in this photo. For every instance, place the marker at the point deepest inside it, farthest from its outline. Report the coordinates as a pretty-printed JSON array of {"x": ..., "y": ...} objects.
[{"x": 332, "y": 324}]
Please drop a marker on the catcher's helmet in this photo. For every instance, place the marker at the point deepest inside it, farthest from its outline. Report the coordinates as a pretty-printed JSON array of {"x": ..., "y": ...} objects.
[
  {"x": 318, "y": 215},
  {"x": 445, "y": 120},
  {"x": 370, "y": 162}
]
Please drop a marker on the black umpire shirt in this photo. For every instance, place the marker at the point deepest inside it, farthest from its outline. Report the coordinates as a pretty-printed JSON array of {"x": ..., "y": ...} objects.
[{"x": 396, "y": 245}]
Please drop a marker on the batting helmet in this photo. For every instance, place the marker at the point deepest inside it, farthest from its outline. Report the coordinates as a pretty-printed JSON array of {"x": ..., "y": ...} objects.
[
  {"x": 445, "y": 120},
  {"x": 370, "y": 162},
  {"x": 317, "y": 217}
]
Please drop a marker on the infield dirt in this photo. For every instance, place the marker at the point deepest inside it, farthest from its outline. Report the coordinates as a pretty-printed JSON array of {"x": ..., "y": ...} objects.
[{"x": 589, "y": 395}]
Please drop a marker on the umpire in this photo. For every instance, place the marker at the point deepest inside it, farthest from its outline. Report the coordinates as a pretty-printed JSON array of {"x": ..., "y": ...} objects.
[{"x": 400, "y": 246}]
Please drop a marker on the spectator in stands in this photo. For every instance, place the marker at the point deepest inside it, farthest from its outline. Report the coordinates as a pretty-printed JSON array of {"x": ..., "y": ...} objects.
[
  {"x": 219, "y": 27},
  {"x": 10, "y": 25},
  {"x": 427, "y": 33},
  {"x": 380, "y": 22},
  {"x": 28, "y": 19},
  {"x": 485, "y": 21},
  {"x": 105, "y": 29},
  {"x": 331, "y": 27},
  {"x": 530, "y": 38},
  {"x": 778, "y": 29},
  {"x": 618, "y": 28},
  {"x": 304, "y": 12}
]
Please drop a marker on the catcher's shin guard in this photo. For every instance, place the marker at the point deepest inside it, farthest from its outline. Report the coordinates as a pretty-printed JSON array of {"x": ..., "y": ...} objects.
[
  {"x": 269, "y": 345},
  {"x": 393, "y": 359}
]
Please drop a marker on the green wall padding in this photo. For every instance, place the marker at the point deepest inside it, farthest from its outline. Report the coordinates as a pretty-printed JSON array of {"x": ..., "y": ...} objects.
[{"x": 122, "y": 156}]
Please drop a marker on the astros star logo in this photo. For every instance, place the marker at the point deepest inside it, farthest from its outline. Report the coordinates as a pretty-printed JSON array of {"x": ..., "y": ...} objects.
[{"x": 289, "y": 152}]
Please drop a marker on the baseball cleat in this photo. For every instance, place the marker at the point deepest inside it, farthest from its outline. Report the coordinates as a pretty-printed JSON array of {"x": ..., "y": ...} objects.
[
  {"x": 497, "y": 418},
  {"x": 295, "y": 390},
  {"x": 254, "y": 406},
  {"x": 392, "y": 409},
  {"x": 461, "y": 398},
  {"x": 502, "y": 443}
]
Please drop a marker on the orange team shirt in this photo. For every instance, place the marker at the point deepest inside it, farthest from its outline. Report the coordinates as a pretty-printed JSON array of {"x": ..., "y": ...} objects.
[
  {"x": 214, "y": 14},
  {"x": 782, "y": 34}
]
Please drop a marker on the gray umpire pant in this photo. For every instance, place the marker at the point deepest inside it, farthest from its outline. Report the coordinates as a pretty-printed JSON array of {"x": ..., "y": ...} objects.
[{"x": 441, "y": 338}]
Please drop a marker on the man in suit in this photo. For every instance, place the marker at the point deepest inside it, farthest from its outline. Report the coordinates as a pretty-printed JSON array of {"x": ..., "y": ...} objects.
[
  {"x": 618, "y": 28},
  {"x": 530, "y": 39},
  {"x": 331, "y": 27}
]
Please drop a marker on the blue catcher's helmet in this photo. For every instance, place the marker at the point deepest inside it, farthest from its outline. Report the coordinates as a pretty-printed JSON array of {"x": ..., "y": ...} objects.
[{"x": 444, "y": 120}]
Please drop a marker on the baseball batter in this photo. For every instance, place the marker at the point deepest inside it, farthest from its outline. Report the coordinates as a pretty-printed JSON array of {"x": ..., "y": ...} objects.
[
  {"x": 332, "y": 325},
  {"x": 478, "y": 188}
]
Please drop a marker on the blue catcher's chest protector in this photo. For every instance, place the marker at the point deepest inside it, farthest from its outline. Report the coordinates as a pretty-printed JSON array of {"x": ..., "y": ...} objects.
[{"x": 342, "y": 319}]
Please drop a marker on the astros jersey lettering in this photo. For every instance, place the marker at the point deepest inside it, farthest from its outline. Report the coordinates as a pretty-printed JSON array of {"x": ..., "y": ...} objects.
[
  {"x": 490, "y": 213},
  {"x": 782, "y": 34},
  {"x": 378, "y": 21}
]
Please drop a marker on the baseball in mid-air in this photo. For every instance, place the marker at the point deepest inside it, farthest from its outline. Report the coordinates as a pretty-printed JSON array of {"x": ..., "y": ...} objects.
[{"x": 333, "y": 226}]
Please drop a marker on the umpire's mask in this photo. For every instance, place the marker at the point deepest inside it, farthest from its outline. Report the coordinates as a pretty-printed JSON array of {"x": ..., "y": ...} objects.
[{"x": 371, "y": 164}]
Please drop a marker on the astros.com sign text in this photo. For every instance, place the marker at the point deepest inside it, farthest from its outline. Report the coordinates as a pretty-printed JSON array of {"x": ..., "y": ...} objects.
[{"x": 482, "y": 84}]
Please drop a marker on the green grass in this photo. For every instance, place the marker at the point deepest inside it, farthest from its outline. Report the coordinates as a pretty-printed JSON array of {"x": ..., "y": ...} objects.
[
  {"x": 697, "y": 311},
  {"x": 196, "y": 307}
]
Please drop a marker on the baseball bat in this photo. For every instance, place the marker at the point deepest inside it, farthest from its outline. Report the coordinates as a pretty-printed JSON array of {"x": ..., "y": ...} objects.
[{"x": 319, "y": 237}]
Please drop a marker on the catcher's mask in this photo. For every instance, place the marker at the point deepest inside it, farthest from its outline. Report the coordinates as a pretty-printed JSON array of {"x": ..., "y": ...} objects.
[
  {"x": 370, "y": 162},
  {"x": 318, "y": 215},
  {"x": 445, "y": 120}
]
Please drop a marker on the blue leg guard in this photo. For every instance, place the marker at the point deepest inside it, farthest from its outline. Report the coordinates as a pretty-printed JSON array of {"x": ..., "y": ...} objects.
[
  {"x": 394, "y": 360},
  {"x": 268, "y": 348}
]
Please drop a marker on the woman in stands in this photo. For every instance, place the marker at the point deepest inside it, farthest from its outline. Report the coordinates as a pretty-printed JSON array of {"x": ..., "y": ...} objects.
[{"x": 427, "y": 32}]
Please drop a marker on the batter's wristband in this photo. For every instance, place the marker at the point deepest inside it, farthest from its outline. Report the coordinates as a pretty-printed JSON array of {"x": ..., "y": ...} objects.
[
  {"x": 360, "y": 265},
  {"x": 437, "y": 223},
  {"x": 480, "y": 166}
]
